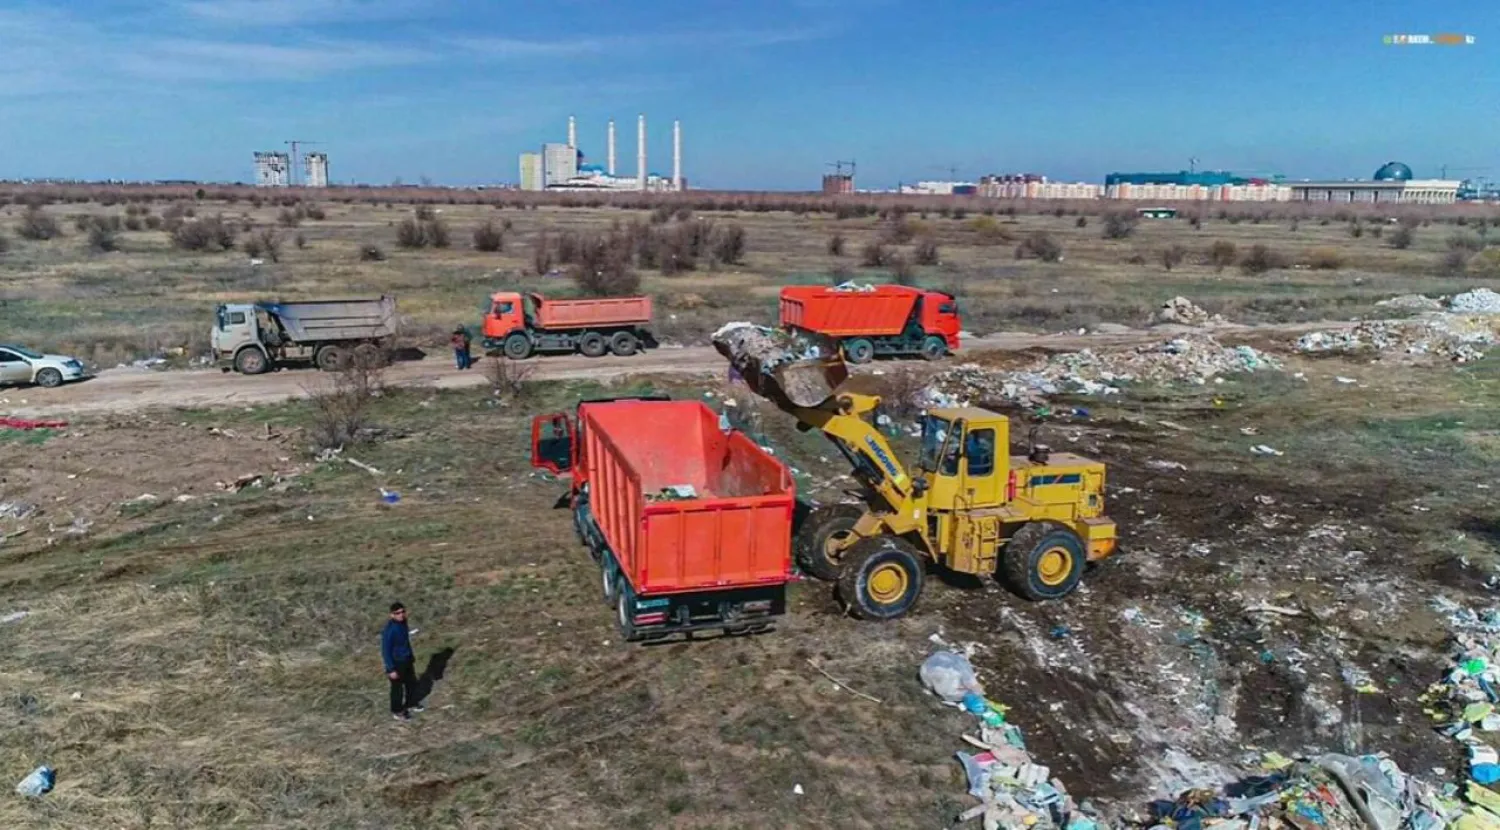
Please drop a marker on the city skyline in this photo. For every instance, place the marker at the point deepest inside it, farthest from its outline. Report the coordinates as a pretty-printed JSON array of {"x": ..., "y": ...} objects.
[{"x": 453, "y": 93}]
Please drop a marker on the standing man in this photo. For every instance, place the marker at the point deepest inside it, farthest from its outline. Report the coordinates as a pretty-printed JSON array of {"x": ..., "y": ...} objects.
[
  {"x": 468, "y": 356},
  {"x": 460, "y": 343},
  {"x": 400, "y": 664}
]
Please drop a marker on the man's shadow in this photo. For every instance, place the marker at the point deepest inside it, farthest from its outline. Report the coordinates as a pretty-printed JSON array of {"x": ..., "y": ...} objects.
[{"x": 437, "y": 665}]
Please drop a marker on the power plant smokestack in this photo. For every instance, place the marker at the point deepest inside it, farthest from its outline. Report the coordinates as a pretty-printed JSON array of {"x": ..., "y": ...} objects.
[
  {"x": 640, "y": 151},
  {"x": 611, "y": 146},
  {"x": 677, "y": 155},
  {"x": 572, "y": 133}
]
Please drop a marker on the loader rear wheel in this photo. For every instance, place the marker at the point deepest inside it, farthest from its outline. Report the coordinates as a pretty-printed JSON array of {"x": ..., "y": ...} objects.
[
  {"x": 333, "y": 358},
  {"x": 592, "y": 344},
  {"x": 859, "y": 350},
  {"x": 623, "y": 344},
  {"x": 1043, "y": 561},
  {"x": 517, "y": 346},
  {"x": 934, "y": 348},
  {"x": 815, "y": 541},
  {"x": 881, "y": 579}
]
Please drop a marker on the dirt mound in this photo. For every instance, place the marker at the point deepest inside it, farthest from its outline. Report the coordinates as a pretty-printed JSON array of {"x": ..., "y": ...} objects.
[{"x": 1182, "y": 311}]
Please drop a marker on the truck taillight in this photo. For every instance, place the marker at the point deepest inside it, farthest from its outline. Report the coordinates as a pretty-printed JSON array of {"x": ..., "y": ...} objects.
[
  {"x": 1010, "y": 486},
  {"x": 653, "y": 618}
]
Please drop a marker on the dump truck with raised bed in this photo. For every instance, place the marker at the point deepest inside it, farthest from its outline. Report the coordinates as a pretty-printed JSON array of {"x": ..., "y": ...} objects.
[
  {"x": 690, "y": 524},
  {"x": 520, "y": 325},
  {"x": 875, "y": 321},
  {"x": 1032, "y": 520},
  {"x": 331, "y": 334}
]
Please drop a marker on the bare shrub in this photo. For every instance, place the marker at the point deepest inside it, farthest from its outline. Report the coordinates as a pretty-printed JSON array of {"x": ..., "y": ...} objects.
[
  {"x": 1196, "y": 221},
  {"x": 288, "y": 218},
  {"x": 102, "y": 238},
  {"x": 4, "y": 243},
  {"x": 1455, "y": 261},
  {"x": 270, "y": 244},
  {"x": 729, "y": 245},
  {"x": 153, "y": 223},
  {"x": 435, "y": 231},
  {"x": 133, "y": 223},
  {"x": 371, "y": 253},
  {"x": 487, "y": 237},
  {"x": 1040, "y": 245},
  {"x": 252, "y": 247},
  {"x": 1356, "y": 230},
  {"x": 409, "y": 234},
  {"x": 1119, "y": 225},
  {"x": 1172, "y": 256},
  {"x": 989, "y": 231},
  {"x": 1221, "y": 254},
  {"x": 874, "y": 255},
  {"x": 926, "y": 252},
  {"x": 341, "y": 406},
  {"x": 902, "y": 271},
  {"x": 661, "y": 216},
  {"x": 603, "y": 266},
  {"x": 509, "y": 380},
  {"x": 1465, "y": 242},
  {"x": 314, "y": 212},
  {"x": 903, "y": 393},
  {"x": 899, "y": 231},
  {"x": 541, "y": 255},
  {"x": 1260, "y": 259},
  {"x": 1324, "y": 259},
  {"x": 1081, "y": 222},
  {"x": 206, "y": 234},
  {"x": 301, "y": 241},
  {"x": 424, "y": 213},
  {"x": 1401, "y": 238},
  {"x": 836, "y": 245},
  {"x": 38, "y": 225}
]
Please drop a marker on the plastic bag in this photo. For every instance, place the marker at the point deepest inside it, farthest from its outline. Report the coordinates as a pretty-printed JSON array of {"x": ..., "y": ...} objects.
[
  {"x": 950, "y": 676},
  {"x": 38, "y": 783}
]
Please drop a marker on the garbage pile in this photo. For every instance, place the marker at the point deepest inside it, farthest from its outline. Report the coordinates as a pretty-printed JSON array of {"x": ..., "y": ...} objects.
[
  {"x": 1182, "y": 311},
  {"x": 1331, "y": 792},
  {"x": 1478, "y": 301},
  {"x": 1013, "y": 790},
  {"x": 1461, "y": 338},
  {"x": 1412, "y": 302},
  {"x": 743, "y": 342},
  {"x": 851, "y": 285},
  {"x": 1465, "y": 700},
  {"x": 1196, "y": 359}
]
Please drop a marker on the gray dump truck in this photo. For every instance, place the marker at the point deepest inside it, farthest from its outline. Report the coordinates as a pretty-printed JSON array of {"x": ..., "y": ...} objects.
[{"x": 331, "y": 334}]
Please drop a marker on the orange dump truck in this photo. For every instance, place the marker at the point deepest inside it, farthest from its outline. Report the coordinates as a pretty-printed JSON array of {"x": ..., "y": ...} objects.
[
  {"x": 520, "y": 325},
  {"x": 875, "y": 321},
  {"x": 690, "y": 525}
]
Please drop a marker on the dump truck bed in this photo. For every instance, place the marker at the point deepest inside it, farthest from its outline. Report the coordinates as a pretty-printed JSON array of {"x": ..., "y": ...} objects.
[
  {"x": 601, "y": 313},
  {"x": 325, "y": 320},
  {"x": 883, "y": 311},
  {"x": 683, "y": 505}
]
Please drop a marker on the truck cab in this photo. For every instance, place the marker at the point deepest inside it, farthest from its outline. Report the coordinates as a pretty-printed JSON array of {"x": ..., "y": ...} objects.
[
  {"x": 236, "y": 326},
  {"x": 508, "y": 311},
  {"x": 939, "y": 315}
]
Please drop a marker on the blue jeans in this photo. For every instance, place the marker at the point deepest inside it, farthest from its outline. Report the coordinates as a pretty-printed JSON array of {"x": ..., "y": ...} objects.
[{"x": 462, "y": 359}]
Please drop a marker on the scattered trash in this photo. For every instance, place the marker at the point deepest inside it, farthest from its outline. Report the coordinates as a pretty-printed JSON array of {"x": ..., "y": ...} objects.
[
  {"x": 38, "y": 783},
  {"x": 14, "y": 616},
  {"x": 949, "y": 676},
  {"x": 842, "y": 685},
  {"x": 673, "y": 492},
  {"x": 1342, "y": 379},
  {"x": 1159, "y": 464},
  {"x": 1182, "y": 311},
  {"x": 23, "y": 423},
  {"x": 144, "y": 498},
  {"x": 1262, "y": 449},
  {"x": 850, "y": 285},
  {"x": 797, "y": 789},
  {"x": 1478, "y": 301},
  {"x": 76, "y": 696},
  {"x": 1412, "y": 302},
  {"x": 247, "y": 480},
  {"x": 389, "y": 496},
  {"x": 17, "y": 510},
  {"x": 1457, "y": 337}
]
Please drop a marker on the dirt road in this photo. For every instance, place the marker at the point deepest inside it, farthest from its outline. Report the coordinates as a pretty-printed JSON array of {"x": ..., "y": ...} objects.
[{"x": 131, "y": 390}]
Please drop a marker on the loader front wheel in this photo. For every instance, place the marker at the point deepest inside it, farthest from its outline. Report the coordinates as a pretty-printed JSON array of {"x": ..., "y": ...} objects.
[
  {"x": 881, "y": 579},
  {"x": 1043, "y": 561},
  {"x": 817, "y": 544}
]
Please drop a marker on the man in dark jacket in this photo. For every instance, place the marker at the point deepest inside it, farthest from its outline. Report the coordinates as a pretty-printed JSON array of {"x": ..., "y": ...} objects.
[{"x": 400, "y": 664}]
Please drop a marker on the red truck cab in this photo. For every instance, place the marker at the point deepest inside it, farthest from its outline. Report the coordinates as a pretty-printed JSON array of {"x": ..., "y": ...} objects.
[{"x": 689, "y": 524}]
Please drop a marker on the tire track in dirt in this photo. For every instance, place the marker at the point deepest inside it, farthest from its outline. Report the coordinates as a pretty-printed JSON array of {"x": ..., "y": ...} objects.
[{"x": 136, "y": 390}]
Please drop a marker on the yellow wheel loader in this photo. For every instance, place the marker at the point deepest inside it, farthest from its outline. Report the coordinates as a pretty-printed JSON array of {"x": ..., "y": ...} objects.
[{"x": 1032, "y": 520}]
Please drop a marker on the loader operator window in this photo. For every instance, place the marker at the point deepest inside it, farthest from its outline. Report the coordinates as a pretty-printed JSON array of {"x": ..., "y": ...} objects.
[
  {"x": 980, "y": 450},
  {"x": 934, "y": 433}
]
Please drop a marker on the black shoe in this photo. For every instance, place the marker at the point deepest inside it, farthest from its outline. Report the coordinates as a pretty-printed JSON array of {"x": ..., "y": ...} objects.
[{"x": 401, "y": 716}]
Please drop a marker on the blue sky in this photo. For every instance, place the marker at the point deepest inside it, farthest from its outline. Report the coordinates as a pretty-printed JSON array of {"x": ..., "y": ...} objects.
[{"x": 768, "y": 91}]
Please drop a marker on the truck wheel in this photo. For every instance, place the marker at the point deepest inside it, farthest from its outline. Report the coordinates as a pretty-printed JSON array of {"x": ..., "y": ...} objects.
[
  {"x": 881, "y": 579},
  {"x": 934, "y": 348},
  {"x": 1042, "y": 561},
  {"x": 251, "y": 362},
  {"x": 859, "y": 350},
  {"x": 592, "y": 344},
  {"x": 50, "y": 378},
  {"x": 607, "y": 568},
  {"x": 623, "y": 344},
  {"x": 826, "y": 525},
  {"x": 623, "y": 606},
  {"x": 517, "y": 346},
  {"x": 369, "y": 356},
  {"x": 332, "y": 358}
]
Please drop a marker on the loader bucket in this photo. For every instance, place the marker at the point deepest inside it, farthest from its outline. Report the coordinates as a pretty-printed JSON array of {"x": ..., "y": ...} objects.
[{"x": 775, "y": 364}]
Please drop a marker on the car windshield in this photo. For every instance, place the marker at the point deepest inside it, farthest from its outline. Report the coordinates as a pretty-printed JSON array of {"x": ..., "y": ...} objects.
[
  {"x": 23, "y": 352},
  {"x": 934, "y": 433}
]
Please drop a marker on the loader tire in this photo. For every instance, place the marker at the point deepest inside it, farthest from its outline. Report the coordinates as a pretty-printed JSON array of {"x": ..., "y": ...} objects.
[
  {"x": 824, "y": 525},
  {"x": 881, "y": 579},
  {"x": 1042, "y": 561},
  {"x": 859, "y": 350}
]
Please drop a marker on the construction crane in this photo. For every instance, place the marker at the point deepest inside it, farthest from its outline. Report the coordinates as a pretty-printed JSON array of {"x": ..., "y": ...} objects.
[
  {"x": 838, "y": 167},
  {"x": 294, "y": 143}
]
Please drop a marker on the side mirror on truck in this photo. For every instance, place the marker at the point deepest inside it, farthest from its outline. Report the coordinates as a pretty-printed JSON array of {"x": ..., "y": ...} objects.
[{"x": 552, "y": 443}]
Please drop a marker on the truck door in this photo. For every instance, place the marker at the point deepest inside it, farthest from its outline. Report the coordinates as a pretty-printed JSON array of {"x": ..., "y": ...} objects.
[
  {"x": 504, "y": 316},
  {"x": 552, "y": 443},
  {"x": 940, "y": 316}
]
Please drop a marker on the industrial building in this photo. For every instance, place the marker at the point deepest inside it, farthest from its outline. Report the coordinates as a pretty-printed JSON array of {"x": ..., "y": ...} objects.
[
  {"x": 1259, "y": 191},
  {"x": 315, "y": 166},
  {"x": 1393, "y": 183},
  {"x": 838, "y": 183},
  {"x": 272, "y": 169},
  {"x": 562, "y": 166},
  {"x": 1034, "y": 186}
]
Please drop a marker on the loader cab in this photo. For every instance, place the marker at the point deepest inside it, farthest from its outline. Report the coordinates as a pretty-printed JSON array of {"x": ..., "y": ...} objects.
[
  {"x": 965, "y": 458},
  {"x": 507, "y": 312},
  {"x": 234, "y": 326}
]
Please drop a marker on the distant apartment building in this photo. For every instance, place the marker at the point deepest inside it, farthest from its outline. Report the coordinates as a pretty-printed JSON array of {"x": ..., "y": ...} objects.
[
  {"x": 838, "y": 183},
  {"x": 272, "y": 169},
  {"x": 531, "y": 171},
  {"x": 559, "y": 164},
  {"x": 1033, "y": 186},
  {"x": 315, "y": 165},
  {"x": 1248, "y": 192}
]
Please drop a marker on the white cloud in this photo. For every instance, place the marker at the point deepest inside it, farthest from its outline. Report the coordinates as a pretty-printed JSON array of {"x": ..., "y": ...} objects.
[
  {"x": 295, "y": 12},
  {"x": 506, "y": 48},
  {"x": 232, "y": 61}
]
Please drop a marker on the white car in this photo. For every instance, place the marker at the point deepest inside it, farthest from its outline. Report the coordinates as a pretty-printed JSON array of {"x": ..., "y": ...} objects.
[{"x": 21, "y": 365}]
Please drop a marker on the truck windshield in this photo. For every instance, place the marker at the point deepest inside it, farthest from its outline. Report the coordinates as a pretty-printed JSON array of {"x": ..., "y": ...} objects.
[{"x": 934, "y": 435}]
